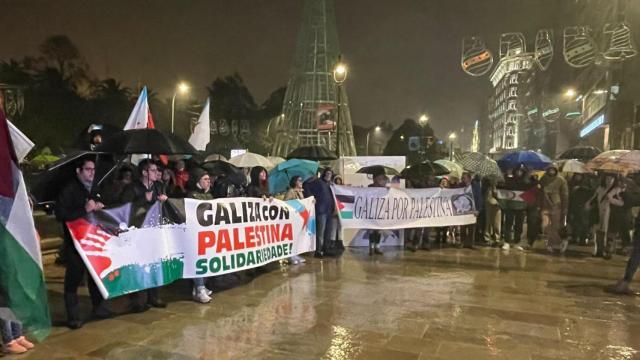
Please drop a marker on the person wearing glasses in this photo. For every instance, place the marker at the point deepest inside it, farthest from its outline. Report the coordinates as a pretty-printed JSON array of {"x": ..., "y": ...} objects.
[{"x": 76, "y": 200}]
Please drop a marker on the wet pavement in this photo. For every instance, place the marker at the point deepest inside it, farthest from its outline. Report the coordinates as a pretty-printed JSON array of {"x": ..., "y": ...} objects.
[{"x": 444, "y": 304}]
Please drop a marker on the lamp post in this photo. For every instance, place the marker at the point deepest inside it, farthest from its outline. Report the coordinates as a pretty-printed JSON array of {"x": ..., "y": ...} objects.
[
  {"x": 183, "y": 89},
  {"x": 376, "y": 129},
  {"x": 452, "y": 137},
  {"x": 339, "y": 76}
]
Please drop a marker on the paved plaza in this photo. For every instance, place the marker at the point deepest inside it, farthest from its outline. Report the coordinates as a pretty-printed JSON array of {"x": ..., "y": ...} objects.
[{"x": 442, "y": 304}]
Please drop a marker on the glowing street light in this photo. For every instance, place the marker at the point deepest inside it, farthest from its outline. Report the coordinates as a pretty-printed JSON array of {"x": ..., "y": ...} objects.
[
  {"x": 376, "y": 129},
  {"x": 182, "y": 89},
  {"x": 423, "y": 119},
  {"x": 570, "y": 93},
  {"x": 339, "y": 76}
]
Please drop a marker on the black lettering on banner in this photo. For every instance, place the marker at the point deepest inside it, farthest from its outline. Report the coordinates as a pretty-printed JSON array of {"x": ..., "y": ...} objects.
[
  {"x": 204, "y": 218},
  {"x": 222, "y": 215},
  {"x": 235, "y": 217}
]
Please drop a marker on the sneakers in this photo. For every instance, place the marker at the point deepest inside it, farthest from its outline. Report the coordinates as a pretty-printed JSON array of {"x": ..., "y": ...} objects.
[
  {"x": 207, "y": 291},
  {"x": 506, "y": 246},
  {"x": 295, "y": 260},
  {"x": 201, "y": 295},
  {"x": 622, "y": 288},
  {"x": 25, "y": 343},
  {"x": 14, "y": 348}
]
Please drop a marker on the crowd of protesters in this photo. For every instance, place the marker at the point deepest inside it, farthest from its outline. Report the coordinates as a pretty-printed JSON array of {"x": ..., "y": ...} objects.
[{"x": 585, "y": 210}]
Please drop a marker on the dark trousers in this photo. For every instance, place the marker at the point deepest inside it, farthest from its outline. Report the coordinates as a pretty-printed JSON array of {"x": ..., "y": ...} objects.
[
  {"x": 468, "y": 235},
  {"x": 579, "y": 222},
  {"x": 634, "y": 259},
  {"x": 324, "y": 231},
  {"x": 73, "y": 276},
  {"x": 441, "y": 234},
  {"x": 513, "y": 225},
  {"x": 534, "y": 224}
]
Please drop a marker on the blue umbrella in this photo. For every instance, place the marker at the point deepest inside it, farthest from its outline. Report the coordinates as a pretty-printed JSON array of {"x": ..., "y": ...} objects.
[
  {"x": 280, "y": 176},
  {"x": 531, "y": 159}
]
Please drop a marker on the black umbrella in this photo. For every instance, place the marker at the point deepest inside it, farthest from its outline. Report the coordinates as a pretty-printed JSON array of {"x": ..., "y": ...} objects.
[
  {"x": 48, "y": 184},
  {"x": 312, "y": 152},
  {"x": 422, "y": 170},
  {"x": 146, "y": 141},
  {"x": 377, "y": 170},
  {"x": 221, "y": 168},
  {"x": 583, "y": 153}
]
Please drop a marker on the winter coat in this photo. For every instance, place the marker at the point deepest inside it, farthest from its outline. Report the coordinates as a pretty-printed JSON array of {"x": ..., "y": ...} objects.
[
  {"x": 70, "y": 205},
  {"x": 136, "y": 193},
  {"x": 200, "y": 194},
  {"x": 603, "y": 199},
  {"x": 294, "y": 194},
  {"x": 321, "y": 190},
  {"x": 555, "y": 192}
]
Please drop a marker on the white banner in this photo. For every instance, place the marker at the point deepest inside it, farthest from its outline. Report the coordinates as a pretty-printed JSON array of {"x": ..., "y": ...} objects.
[
  {"x": 131, "y": 248},
  {"x": 393, "y": 208}
]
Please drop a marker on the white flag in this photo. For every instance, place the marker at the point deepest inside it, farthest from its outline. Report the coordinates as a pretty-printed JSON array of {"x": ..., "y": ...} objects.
[
  {"x": 21, "y": 143},
  {"x": 201, "y": 134},
  {"x": 140, "y": 117}
]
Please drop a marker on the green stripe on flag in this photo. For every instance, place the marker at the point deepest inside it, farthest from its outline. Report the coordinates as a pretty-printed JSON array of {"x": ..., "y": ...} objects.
[
  {"x": 22, "y": 282},
  {"x": 346, "y": 214}
]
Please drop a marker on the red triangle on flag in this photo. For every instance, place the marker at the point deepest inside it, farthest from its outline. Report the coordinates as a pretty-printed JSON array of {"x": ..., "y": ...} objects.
[{"x": 7, "y": 159}]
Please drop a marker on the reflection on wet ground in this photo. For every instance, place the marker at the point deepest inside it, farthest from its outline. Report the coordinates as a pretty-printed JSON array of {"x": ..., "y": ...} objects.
[{"x": 444, "y": 304}]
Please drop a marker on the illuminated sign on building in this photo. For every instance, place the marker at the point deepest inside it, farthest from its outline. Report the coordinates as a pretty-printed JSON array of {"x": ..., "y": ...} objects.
[{"x": 599, "y": 120}]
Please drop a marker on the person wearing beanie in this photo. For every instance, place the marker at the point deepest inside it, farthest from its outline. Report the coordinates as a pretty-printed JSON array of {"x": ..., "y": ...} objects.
[{"x": 200, "y": 190}]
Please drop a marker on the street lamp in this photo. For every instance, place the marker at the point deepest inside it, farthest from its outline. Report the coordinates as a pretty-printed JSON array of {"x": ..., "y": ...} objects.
[
  {"x": 570, "y": 93},
  {"x": 339, "y": 76},
  {"x": 423, "y": 119},
  {"x": 376, "y": 129},
  {"x": 182, "y": 89},
  {"x": 452, "y": 138}
]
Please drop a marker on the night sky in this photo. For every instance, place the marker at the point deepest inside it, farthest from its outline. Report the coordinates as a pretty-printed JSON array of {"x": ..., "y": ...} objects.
[{"x": 404, "y": 55}]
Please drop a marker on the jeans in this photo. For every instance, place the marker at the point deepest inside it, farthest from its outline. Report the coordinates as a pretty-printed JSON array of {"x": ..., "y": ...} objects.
[
  {"x": 492, "y": 224},
  {"x": 197, "y": 282},
  {"x": 513, "y": 224},
  {"x": 468, "y": 235},
  {"x": 10, "y": 329},
  {"x": 551, "y": 223},
  {"x": 324, "y": 231}
]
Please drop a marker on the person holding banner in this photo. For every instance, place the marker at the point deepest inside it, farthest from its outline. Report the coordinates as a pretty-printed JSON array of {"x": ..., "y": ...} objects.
[
  {"x": 201, "y": 191},
  {"x": 320, "y": 188},
  {"x": 468, "y": 232},
  {"x": 75, "y": 200},
  {"x": 295, "y": 192},
  {"x": 375, "y": 236},
  {"x": 515, "y": 210},
  {"x": 145, "y": 192},
  {"x": 493, "y": 214}
]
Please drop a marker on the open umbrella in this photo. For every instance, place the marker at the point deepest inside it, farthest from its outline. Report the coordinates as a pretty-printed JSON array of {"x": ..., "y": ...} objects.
[
  {"x": 531, "y": 159},
  {"x": 481, "y": 165},
  {"x": 275, "y": 160},
  {"x": 250, "y": 159},
  {"x": 145, "y": 141},
  {"x": 280, "y": 176},
  {"x": 422, "y": 170},
  {"x": 616, "y": 161},
  {"x": 312, "y": 152},
  {"x": 212, "y": 157},
  {"x": 378, "y": 169},
  {"x": 48, "y": 184},
  {"x": 572, "y": 166},
  {"x": 219, "y": 168},
  {"x": 455, "y": 168},
  {"x": 582, "y": 153}
]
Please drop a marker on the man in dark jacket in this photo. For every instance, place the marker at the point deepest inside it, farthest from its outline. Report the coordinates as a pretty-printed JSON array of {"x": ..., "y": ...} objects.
[
  {"x": 320, "y": 188},
  {"x": 74, "y": 201},
  {"x": 515, "y": 211},
  {"x": 145, "y": 192},
  {"x": 468, "y": 232}
]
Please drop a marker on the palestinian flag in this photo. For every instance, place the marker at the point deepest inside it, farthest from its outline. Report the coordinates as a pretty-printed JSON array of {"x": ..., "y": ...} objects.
[
  {"x": 22, "y": 279},
  {"x": 344, "y": 203}
]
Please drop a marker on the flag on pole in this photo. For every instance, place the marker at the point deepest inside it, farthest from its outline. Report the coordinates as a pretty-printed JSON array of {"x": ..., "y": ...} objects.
[
  {"x": 22, "y": 280},
  {"x": 201, "y": 134},
  {"x": 21, "y": 143},
  {"x": 140, "y": 117}
]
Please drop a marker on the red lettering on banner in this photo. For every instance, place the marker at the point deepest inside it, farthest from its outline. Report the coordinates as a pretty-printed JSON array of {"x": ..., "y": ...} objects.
[
  {"x": 287, "y": 232},
  {"x": 224, "y": 243},
  {"x": 275, "y": 232},
  {"x": 206, "y": 239},
  {"x": 237, "y": 244},
  {"x": 249, "y": 236}
]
